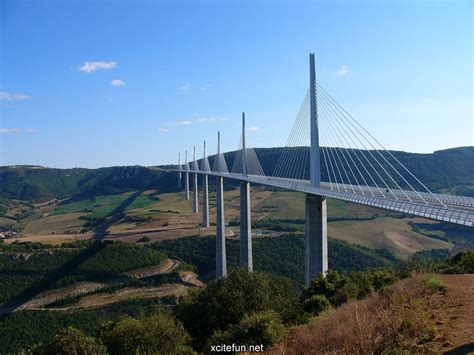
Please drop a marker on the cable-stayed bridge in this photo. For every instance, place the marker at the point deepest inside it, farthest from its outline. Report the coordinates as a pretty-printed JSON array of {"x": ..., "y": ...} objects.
[{"x": 328, "y": 154}]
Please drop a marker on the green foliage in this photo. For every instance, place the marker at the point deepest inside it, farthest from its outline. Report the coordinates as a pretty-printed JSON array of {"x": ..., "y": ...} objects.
[
  {"x": 23, "y": 329},
  {"x": 338, "y": 288},
  {"x": 449, "y": 169},
  {"x": 24, "y": 275},
  {"x": 316, "y": 304},
  {"x": 38, "y": 183},
  {"x": 435, "y": 285},
  {"x": 329, "y": 286},
  {"x": 263, "y": 328},
  {"x": 462, "y": 262},
  {"x": 73, "y": 341},
  {"x": 465, "y": 259},
  {"x": 282, "y": 256},
  {"x": 445, "y": 231},
  {"x": 160, "y": 333},
  {"x": 226, "y": 302}
]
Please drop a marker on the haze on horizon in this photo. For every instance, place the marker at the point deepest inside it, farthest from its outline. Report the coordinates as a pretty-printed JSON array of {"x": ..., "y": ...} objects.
[{"x": 96, "y": 83}]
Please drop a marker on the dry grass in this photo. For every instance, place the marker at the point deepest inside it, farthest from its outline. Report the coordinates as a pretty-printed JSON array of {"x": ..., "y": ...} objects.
[
  {"x": 392, "y": 320},
  {"x": 55, "y": 224},
  {"x": 394, "y": 234}
]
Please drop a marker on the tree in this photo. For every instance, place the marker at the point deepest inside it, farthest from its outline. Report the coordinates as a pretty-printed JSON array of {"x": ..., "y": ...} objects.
[
  {"x": 316, "y": 304},
  {"x": 159, "y": 333},
  {"x": 72, "y": 341},
  {"x": 258, "y": 328},
  {"x": 226, "y": 302},
  {"x": 329, "y": 286}
]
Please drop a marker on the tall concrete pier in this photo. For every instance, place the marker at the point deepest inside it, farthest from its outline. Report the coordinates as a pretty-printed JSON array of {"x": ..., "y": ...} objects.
[
  {"x": 221, "y": 259},
  {"x": 186, "y": 179},
  {"x": 246, "y": 259},
  {"x": 205, "y": 194},
  {"x": 195, "y": 184},
  {"x": 180, "y": 178},
  {"x": 316, "y": 245}
]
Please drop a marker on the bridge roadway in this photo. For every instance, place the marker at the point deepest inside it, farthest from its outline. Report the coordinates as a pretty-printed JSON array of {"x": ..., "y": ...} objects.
[{"x": 456, "y": 209}]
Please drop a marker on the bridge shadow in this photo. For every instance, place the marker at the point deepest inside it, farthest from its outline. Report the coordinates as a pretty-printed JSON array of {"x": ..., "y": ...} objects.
[
  {"x": 463, "y": 349},
  {"x": 101, "y": 231},
  {"x": 52, "y": 277}
]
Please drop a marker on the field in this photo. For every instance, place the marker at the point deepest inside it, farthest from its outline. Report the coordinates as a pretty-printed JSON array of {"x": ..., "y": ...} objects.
[
  {"x": 394, "y": 234},
  {"x": 148, "y": 216}
]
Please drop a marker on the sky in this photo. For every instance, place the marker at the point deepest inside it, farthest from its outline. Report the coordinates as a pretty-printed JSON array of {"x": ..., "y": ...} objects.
[{"x": 106, "y": 83}]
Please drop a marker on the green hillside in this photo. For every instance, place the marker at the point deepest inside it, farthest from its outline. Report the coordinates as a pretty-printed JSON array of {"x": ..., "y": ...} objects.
[{"x": 450, "y": 170}]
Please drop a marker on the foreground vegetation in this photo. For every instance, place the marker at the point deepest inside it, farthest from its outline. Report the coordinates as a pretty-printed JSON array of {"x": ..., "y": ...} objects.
[
  {"x": 259, "y": 308},
  {"x": 244, "y": 308}
]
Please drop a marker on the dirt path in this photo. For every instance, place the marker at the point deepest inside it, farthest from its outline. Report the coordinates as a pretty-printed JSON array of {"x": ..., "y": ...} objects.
[
  {"x": 102, "y": 299},
  {"x": 164, "y": 268},
  {"x": 454, "y": 313},
  {"x": 83, "y": 288}
]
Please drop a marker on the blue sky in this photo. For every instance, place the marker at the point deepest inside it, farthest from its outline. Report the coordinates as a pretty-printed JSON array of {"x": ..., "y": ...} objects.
[{"x": 102, "y": 83}]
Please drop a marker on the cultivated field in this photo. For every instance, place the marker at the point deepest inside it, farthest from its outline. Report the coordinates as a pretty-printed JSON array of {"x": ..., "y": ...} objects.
[{"x": 149, "y": 216}]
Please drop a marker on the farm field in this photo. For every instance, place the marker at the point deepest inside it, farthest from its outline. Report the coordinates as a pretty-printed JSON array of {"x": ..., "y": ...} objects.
[{"x": 147, "y": 216}]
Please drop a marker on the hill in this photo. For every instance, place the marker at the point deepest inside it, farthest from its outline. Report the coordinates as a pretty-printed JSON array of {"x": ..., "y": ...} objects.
[
  {"x": 450, "y": 171},
  {"x": 38, "y": 183},
  {"x": 421, "y": 314}
]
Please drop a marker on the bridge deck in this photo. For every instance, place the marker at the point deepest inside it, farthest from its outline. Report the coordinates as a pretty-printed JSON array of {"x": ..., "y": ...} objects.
[{"x": 453, "y": 209}]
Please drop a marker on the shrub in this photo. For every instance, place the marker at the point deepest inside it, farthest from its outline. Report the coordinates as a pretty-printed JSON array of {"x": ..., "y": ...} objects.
[
  {"x": 73, "y": 341},
  {"x": 465, "y": 259},
  {"x": 226, "y": 302},
  {"x": 435, "y": 285},
  {"x": 159, "y": 333},
  {"x": 329, "y": 286},
  {"x": 316, "y": 304},
  {"x": 263, "y": 328}
]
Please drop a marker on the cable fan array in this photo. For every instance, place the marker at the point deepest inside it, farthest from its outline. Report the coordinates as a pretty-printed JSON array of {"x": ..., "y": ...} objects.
[
  {"x": 352, "y": 160},
  {"x": 253, "y": 164}
]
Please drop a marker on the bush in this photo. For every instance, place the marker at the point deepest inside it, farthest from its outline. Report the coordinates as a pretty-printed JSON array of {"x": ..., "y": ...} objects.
[
  {"x": 435, "y": 285},
  {"x": 159, "y": 333},
  {"x": 263, "y": 328},
  {"x": 73, "y": 341},
  {"x": 465, "y": 259},
  {"x": 316, "y": 304},
  {"x": 226, "y": 302},
  {"x": 329, "y": 286}
]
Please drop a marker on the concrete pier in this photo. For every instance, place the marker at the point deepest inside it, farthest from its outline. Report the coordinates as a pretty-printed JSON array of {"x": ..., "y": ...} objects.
[
  {"x": 316, "y": 241},
  {"x": 186, "y": 185},
  {"x": 221, "y": 260},
  {"x": 195, "y": 193},
  {"x": 205, "y": 201},
  {"x": 246, "y": 259}
]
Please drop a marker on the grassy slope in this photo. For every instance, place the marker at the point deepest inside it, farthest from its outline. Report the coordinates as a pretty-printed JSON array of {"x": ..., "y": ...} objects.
[
  {"x": 410, "y": 319},
  {"x": 394, "y": 234}
]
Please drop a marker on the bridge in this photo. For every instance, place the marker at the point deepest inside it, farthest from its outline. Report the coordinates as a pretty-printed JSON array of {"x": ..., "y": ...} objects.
[{"x": 325, "y": 141}]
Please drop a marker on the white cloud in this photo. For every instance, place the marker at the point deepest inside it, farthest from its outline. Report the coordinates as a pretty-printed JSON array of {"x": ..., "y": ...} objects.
[
  {"x": 89, "y": 67},
  {"x": 211, "y": 119},
  {"x": 31, "y": 130},
  {"x": 205, "y": 87},
  {"x": 185, "y": 87},
  {"x": 253, "y": 128},
  {"x": 10, "y": 97},
  {"x": 117, "y": 82},
  {"x": 180, "y": 123},
  {"x": 9, "y": 130},
  {"x": 163, "y": 130},
  {"x": 342, "y": 70}
]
